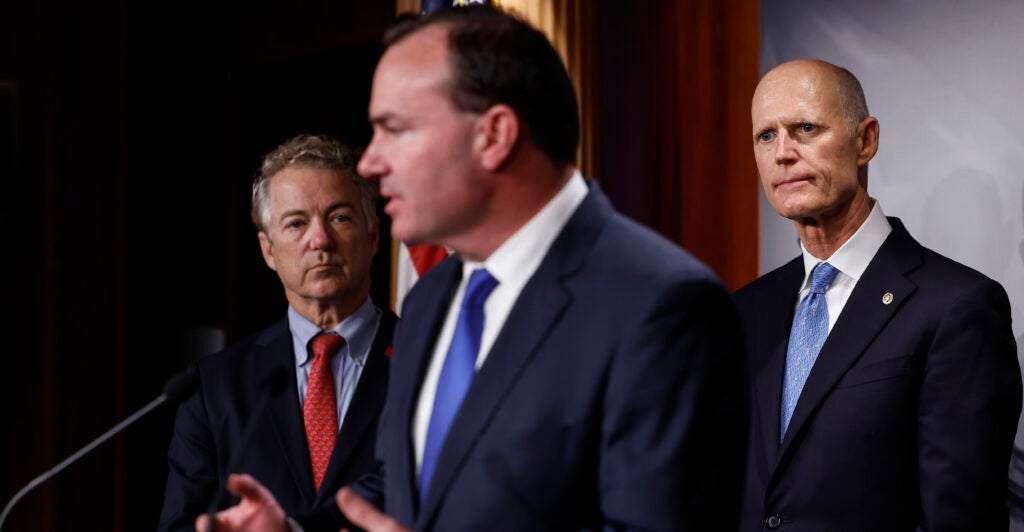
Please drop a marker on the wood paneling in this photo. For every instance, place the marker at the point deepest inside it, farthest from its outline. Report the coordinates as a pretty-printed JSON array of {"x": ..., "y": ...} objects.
[{"x": 677, "y": 80}]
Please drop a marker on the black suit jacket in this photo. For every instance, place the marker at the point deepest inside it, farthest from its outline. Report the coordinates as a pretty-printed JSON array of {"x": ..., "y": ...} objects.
[
  {"x": 909, "y": 413},
  {"x": 613, "y": 397},
  {"x": 209, "y": 424}
]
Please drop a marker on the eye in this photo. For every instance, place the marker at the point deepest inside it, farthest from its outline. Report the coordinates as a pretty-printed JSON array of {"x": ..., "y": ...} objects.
[
  {"x": 808, "y": 128},
  {"x": 341, "y": 218},
  {"x": 388, "y": 127},
  {"x": 766, "y": 136},
  {"x": 294, "y": 224}
]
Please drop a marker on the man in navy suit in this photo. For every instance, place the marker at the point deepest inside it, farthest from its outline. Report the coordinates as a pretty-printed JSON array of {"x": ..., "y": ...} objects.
[
  {"x": 886, "y": 387},
  {"x": 318, "y": 231},
  {"x": 608, "y": 380}
]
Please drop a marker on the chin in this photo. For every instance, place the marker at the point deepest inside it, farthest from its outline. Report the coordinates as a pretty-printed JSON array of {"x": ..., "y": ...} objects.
[
  {"x": 794, "y": 207},
  {"x": 407, "y": 235}
]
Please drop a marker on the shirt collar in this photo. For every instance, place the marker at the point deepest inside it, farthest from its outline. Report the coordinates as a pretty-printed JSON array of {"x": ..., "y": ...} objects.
[
  {"x": 357, "y": 329},
  {"x": 853, "y": 257},
  {"x": 514, "y": 262}
]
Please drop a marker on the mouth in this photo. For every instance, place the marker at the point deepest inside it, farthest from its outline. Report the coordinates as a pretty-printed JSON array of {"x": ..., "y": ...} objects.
[
  {"x": 392, "y": 205},
  {"x": 318, "y": 268},
  {"x": 793, "y": 181}
]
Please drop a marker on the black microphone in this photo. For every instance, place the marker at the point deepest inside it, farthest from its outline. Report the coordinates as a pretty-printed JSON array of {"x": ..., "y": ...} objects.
[
  {"x": 177, "y": 389},
  {"x": 272, "y": 384}
]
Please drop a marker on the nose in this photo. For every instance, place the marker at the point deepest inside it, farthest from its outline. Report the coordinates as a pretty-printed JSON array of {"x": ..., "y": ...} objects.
[
  {"x": 319, "y": 236},
  {"x": 785, "y": 149},
  {"x": 371, "y": 165}
]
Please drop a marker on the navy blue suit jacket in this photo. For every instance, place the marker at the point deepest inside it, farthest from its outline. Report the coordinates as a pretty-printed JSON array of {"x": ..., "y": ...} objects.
[
  {"x": 208, "y": 427},
  {"x": 613, "y": 397},
  {"x": 908, "y": 416}
]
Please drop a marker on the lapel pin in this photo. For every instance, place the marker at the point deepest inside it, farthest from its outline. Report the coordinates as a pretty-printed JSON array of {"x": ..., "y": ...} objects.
[
  {"x": 388, "y": 350},
  {"x": 887, "y": 298}
]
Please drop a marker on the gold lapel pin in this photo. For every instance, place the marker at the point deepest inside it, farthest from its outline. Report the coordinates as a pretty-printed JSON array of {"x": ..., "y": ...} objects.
[{"x": 887, "y": 298}]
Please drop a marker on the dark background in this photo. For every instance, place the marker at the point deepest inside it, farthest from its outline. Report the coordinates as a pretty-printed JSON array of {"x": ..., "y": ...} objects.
[{"x": 129, "y": 135}]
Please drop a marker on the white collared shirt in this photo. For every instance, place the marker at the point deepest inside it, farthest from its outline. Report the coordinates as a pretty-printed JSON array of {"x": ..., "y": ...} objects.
[
  {"x": 851, "y": 259},
  {"x": 512, "y": 264}
]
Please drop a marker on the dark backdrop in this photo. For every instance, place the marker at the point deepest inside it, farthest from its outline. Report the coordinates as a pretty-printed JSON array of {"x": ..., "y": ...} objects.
[{"x": 129, "y": 134}]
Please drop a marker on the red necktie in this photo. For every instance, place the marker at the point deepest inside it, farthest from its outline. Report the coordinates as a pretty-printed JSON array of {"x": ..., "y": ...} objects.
[{"x": 320, "y": 411}]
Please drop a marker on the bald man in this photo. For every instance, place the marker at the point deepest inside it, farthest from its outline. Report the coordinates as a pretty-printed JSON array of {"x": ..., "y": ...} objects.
[{"x": 886, "y": 387}]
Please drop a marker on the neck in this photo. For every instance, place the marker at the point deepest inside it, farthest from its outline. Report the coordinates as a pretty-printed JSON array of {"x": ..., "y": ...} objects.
[
  {"x": 523, "y": 193},
  {"x": 326, "y": 314},
  {"x": 822, "y": 236}
]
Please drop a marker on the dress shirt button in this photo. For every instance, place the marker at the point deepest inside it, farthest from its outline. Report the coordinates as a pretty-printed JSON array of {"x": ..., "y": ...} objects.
[{"x": 773, "y": 521}]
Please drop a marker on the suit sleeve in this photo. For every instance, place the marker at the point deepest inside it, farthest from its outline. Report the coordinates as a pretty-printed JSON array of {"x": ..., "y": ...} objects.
[
  {"x": 676, "y": 412},
  {"x": 969, "y": 403},
  {"x": 191, "y": 461}
]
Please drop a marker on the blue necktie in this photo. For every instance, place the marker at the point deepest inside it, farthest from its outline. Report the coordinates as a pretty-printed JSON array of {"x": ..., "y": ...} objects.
[
  {"x": 810, "y": 328},
  {"x": 457, "y": 372}
]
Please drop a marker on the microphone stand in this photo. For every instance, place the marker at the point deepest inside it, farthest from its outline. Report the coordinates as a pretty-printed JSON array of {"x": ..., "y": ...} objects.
[{"x": 177, "y": 388}]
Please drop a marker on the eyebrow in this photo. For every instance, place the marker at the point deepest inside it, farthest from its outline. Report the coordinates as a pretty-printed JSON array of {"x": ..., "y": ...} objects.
[
  {"x": 330, "y": 208},
  {"x": 293, "y": 212},
  {"x": 382, "y": 117},
  {"x": 341, "y": 205}
]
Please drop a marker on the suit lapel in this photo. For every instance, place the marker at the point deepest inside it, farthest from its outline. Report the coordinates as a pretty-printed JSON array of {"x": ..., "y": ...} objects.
[
  {"x": 773, "y": 333},
  {"x": 365, "y": 406},
  {"x": 284, "y": 412},
  {"x": 863, "y": 317},
  {"x": 409, "y": 366},
  {"x": 535, "y": 313}
]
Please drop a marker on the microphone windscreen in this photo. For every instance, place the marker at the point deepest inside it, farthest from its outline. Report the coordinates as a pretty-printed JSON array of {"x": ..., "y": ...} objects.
[
  {"x": 276, "y": 381},
  {"x": 180, "y": 387}
]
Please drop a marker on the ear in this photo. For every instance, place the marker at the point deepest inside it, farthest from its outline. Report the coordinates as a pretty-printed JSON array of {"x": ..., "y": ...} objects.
[
  {"x": 267, "y": 247},
  {"x": 867, "y": 140},
  {"x": 495, "y": 136}
]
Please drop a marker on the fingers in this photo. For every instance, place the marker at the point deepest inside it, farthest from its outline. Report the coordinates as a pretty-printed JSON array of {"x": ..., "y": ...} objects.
[
  {"x": 257, "y": 511},
  {"x": 364, "y": 514},
  {"x": 203, "y": 523},
  {"x": 247, "y": 487}
]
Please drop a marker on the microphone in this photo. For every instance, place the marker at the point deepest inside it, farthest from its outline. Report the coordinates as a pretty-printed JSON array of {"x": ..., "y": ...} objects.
[
  {"x": 178, "y": 388},
  {"x": 272, "y": 384}
]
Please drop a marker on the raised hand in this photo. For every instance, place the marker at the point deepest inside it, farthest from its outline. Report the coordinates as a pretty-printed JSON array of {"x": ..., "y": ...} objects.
[
  {"x": 364, "y": 514},
  {"x": 258, "y": 511}
]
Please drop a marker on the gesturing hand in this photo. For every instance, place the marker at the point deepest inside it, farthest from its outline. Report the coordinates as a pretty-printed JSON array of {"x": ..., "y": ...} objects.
[
  {"x": 364, "y": 514},
  {"x": 258, "y": 511}
]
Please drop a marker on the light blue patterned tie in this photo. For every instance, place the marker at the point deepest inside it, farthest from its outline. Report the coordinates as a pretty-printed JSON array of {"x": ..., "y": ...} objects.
[
  {"x": 457, "y": 372},
  {"x": 810, "y": 328}
]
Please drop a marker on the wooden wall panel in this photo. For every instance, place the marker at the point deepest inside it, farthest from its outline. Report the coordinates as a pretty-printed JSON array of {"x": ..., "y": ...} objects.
[
  {"x": 676, "y": 83},
  {"x": 717, "y": 70}
]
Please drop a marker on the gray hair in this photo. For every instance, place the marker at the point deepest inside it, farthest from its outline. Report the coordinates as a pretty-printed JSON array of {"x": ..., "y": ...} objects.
[
  {"x": 851, "y": 97},
  {"x": 311, "y": 151}
]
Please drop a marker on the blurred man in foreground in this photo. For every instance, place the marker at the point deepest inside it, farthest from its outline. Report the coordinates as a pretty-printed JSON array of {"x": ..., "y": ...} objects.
[{"x": 566, "y": 368}]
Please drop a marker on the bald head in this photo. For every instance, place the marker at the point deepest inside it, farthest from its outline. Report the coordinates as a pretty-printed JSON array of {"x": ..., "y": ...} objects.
[
  {"x": 813, "y": 140},
  {"x": 839, "y": 86}
]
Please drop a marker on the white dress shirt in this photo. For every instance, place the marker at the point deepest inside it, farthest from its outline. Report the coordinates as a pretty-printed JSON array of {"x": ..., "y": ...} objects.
[
  {"x": 512, "y": 264},
  {"x": 851, "y": 259}
]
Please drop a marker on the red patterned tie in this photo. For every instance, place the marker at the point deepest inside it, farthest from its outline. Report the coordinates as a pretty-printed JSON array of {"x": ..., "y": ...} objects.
[{"x": 320, "y": 411}]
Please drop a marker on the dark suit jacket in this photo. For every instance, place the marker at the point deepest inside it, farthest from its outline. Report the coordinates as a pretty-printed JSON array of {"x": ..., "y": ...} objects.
[
  {"x": 614, "y": 394},
  {"x": 209, "y": 425},
  {"x": 908, "y": 416}
]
